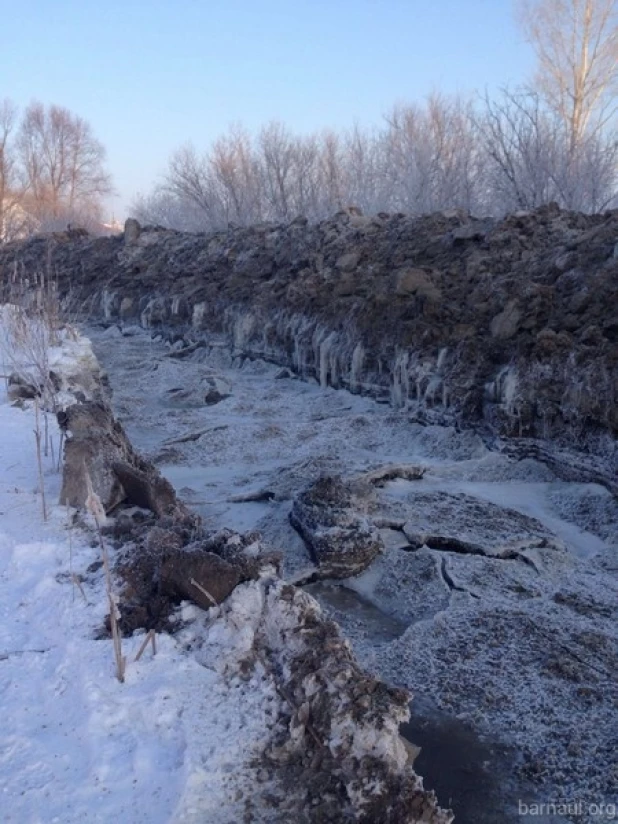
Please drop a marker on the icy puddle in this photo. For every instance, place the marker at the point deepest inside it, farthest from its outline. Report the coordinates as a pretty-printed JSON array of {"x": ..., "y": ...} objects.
[
  {"x": 494, "y": 600},
  {"x": 356, "y": 615}
]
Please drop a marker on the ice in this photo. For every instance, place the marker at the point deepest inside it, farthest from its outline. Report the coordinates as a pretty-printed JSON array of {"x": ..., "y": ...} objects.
[{"x": 356, "y": 367}]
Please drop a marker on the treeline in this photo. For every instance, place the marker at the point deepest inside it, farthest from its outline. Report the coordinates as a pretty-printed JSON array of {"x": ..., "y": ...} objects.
[
  {"x": 487, "y": 157},
  {"x": 52, "y": 171}
]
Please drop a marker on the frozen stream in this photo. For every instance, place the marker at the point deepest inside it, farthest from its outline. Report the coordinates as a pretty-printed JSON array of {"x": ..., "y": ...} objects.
[{"x": 512, "y": 659}]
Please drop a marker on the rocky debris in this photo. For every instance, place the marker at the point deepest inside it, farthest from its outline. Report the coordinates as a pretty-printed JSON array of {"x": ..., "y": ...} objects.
[
  {"x": 391, "y": 472},
  {"x": 332, "y": 518},
  {"x": 211, "y": 390},
  {"x": 21, "y": 389},
  {"x": 506, "y": 323},
  {"x": 339, "y": 741},
  {"x": 339, "y": 755},
  {"x": 132, "y": 231},
  {"x": 174, "y": 560},
  {"x": 491, "y": 680},
  {"x": 217, "y": 390},
  {"x": 199, "y": 576},
  {"x": 96, "y": 444}
]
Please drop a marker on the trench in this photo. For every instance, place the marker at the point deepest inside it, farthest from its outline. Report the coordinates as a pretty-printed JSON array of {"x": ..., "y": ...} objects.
[{"x": 276, "y": 433}]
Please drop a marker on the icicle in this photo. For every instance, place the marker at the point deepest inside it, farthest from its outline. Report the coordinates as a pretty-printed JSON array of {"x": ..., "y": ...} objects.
[
  {"x": 441, "y": 358},
  {"x": 107, "y": 303},
  {"x": 400, "y": 388},
  {"x": 326, "y": 364},
  {"x": 356, "y": 367},
  {"x": 197, "y": 316}
]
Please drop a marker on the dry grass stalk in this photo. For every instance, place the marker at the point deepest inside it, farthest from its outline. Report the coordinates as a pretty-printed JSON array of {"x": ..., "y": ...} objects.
[
  {"x": 95, "y": 507},
  {"x": 37, "y": 437},
  {"x": 150, "y": 636},
  {"x": 78, "y": 584},
  {"x": 204, "y": 592},
  {"x": 60, "y": 448}
]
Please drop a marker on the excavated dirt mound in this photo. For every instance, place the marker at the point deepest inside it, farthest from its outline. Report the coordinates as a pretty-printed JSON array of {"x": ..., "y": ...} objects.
[{"x": 511, "y": 323}]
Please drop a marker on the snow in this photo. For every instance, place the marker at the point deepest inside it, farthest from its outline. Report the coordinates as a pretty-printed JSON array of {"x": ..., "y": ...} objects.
[
  {"x": 174, "y": 743},
  {"x": 32, "y": 351}
]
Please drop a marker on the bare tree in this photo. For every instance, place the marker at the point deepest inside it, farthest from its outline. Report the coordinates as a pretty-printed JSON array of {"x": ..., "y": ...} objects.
[
  {"x": 164, "y": 208},
  {"x": 8, "y": 177},
  {"x": 530, "y": 159},
  {"x": 276, "y": 147},
  {"x": 431, "y": 155},
  {"x": 519, "y": 140},
  {"x": 236, "y": 177},
  {"x": 576, "y": 43},
  {"x": 62, "y": 164},
  {"x": 188, "y": 179},
  {"x": 306, "y": 184},
  {"x": 509, "y": 152},
  {"x": 363, "y": 157}
]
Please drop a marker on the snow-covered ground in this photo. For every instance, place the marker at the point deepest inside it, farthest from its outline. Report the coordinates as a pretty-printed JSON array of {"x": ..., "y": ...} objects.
[
  {"x": 174, "y": 743},
  {"x": 522, "y": 651}
]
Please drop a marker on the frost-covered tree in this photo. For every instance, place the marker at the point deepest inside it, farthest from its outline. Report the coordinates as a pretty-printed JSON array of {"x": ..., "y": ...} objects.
[
  {"x": 508, "y": 152},
  {"x": 530, "y": 159},
  {"x": 431, "y": 158},
  {"x": 576, "y": 44},
  {"x": 8, "y": 171},
  {"x": 62, "y": 165}
]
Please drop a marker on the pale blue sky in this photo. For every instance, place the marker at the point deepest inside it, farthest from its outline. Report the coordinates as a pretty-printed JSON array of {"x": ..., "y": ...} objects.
[{"x": 150, "y": 76}]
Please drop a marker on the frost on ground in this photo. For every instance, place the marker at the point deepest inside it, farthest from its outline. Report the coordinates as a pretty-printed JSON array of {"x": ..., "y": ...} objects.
[
  {"x": 253, "y": 711},
  {"x": 494, "y": 599}
]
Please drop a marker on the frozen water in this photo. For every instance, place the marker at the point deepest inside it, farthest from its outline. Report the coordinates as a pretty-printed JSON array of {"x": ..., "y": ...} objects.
[{"x": 521, "y": 648}]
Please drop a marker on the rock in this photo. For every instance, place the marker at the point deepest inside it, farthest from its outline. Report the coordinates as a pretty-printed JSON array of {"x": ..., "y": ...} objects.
[
  {"x": 416, "y": 282},
  {"x": 217, "y": 390},
  {"x": 329, "y": 517},
  {"x": 468, "y": 232},
  {"x": 174, "y": 560},
  {"x": 505, "y": 324},
  {"x": 348, "y": 262},
  {"x": 198, "y": 576},
  {"x": 284, "y": 374},
  {"x": 212, "y": 390},
  {"x": 132, "y": 231},
  {"x": 146, "y": 489},
  {"x": 245, "y": 552},
  {"x": 21, "y": 389},
  {"x": 465, "y": 525},
  {"x": 97, "y": 444}
]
